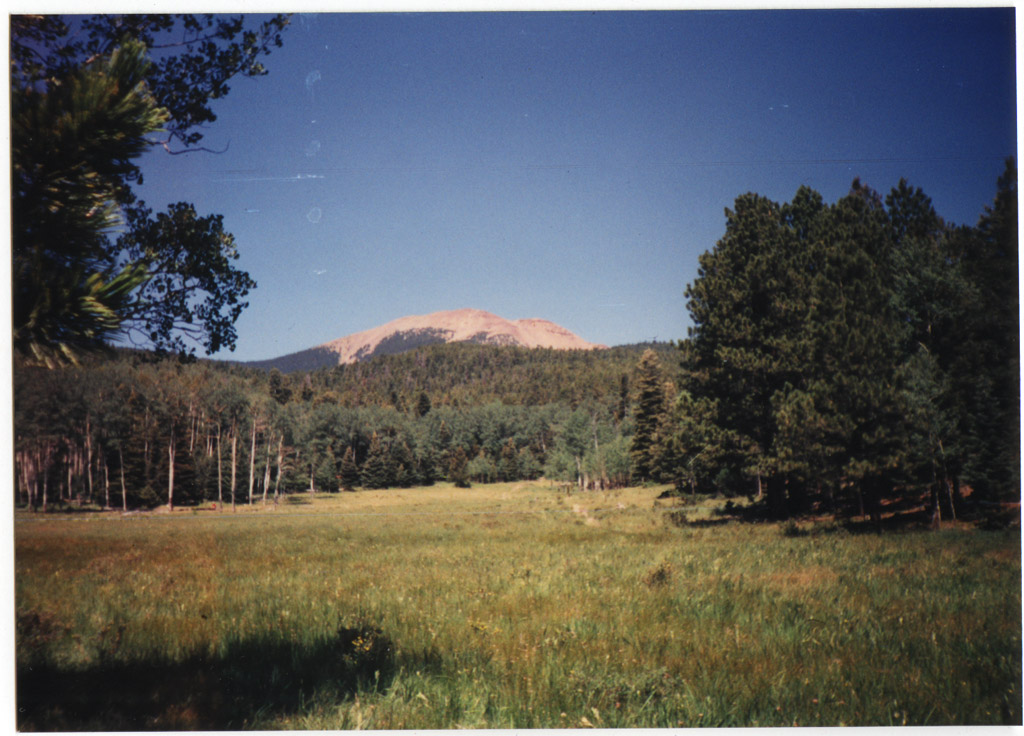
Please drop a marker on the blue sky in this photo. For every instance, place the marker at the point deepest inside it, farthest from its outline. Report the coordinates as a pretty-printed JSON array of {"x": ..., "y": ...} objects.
[{"x": 571, "y": 166}]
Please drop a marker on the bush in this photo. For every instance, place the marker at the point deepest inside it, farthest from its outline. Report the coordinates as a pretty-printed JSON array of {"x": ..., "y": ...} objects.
[
  {"x": 658, "y": 577},
  {"x": 677, "y": 518}
]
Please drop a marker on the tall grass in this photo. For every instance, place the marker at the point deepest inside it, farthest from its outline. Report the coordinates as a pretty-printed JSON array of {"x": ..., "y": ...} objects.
[{"x": 508, "y": 606}]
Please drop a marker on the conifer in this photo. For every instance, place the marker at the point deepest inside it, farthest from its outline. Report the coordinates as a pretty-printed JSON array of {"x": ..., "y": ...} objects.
[
  {"x": 376, "y": 471},
  {"x": 349, "y": 470},
  {"x": 648, "y": 412}
]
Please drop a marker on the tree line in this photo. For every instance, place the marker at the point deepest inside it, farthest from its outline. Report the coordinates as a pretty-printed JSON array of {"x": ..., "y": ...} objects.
[
  {"x": 138, "y": 431},
  {"x": 847, "y": 356}
]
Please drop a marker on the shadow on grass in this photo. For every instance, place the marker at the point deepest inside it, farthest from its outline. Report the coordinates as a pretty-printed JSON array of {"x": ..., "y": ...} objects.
[
  {"x": 61, "y": 507},
  {"x": 704, "y": 523},
  {"x": 253, "y": 678}
]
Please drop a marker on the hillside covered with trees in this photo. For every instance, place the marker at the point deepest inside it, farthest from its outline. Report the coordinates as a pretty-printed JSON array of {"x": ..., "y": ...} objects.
[{"x": 134, "y": 431}]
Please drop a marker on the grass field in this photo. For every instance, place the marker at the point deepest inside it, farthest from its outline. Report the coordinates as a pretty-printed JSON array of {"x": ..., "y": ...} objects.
[{"x": 507, "y": 606}]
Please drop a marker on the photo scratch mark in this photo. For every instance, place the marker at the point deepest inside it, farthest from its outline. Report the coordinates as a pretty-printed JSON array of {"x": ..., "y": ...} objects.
[{"x": 294, "y": 177}]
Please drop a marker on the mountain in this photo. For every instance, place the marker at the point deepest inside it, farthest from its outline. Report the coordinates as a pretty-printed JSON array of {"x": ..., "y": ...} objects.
[{"x": 407, "y": 333}]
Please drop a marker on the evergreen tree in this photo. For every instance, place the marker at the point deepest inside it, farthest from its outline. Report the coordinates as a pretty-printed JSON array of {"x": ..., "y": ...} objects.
[
  {"x": 508, "y": 464},
  {"x": 457, "y": 468},
  {"x": 796, "y": 342},
  {"x": 698, "y": 445},
  {"x": 423, "y": 404},
  {"x": 279, "y": 391},
  {"x": 376, "y": 470},
  {"x": 85, "y": 105},
  {"x": 986, "y": 369},
  {"x": 349, "y": 470},
  {"x": 404, "y": 464},
  {"x": 71, "y": 142},
  {"x": 622, "y": 411},
  {"x": 857, "y": 337},
  {"x": 648, "y": 413},
  {"x": 426, "y": 467},
  {"x": 744, "y": 315}
]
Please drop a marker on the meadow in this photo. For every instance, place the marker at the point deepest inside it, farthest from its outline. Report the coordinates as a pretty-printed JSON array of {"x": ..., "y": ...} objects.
[{"x": 508, "y": 606}]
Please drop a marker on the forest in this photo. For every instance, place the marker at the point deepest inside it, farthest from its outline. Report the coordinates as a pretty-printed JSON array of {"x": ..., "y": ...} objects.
[
  {"x": 135, "y": 431},
  {"x": 855, "y": 354},
  {"x": 842, "y": 357}
]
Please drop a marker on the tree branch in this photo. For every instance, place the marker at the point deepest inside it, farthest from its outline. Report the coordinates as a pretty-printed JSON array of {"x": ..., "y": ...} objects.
[{"x": 166, "y": 145}]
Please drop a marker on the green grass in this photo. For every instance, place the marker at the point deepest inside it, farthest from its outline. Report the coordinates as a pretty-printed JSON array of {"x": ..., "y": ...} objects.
[{"x": 507, "y": 606}]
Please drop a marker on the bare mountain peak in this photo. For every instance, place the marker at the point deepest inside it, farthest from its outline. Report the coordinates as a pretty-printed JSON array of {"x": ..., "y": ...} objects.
[{"x": 457, "y": 325}]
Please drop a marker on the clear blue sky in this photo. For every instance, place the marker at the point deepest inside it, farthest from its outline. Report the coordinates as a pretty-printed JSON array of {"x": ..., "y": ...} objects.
[{"x": 571, "y": 166}]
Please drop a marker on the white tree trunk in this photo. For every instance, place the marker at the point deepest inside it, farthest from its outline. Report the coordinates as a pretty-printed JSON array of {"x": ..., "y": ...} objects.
[
  {"x": 266, "y": 473},
  {"x": 280, "y": 461},
  {"x": 234, "y": 463},
  {"x": 252, "y": 461},
  {"x": 170, "y": 473},
  {"x": 124, "y": 493},
  {"x": 220, "y": 473}
]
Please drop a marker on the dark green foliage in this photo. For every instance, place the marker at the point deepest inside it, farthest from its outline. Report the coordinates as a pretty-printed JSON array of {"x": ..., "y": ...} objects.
[
  {"x": 828, "y": 362},
  {"x": 458, "y": 472},
  {"x": 209, "y": 52},
  {"x": 623, "y": 409},
  {"x": 426, "y": 472},
  {"x": 464, "y": 374},
  {"x": 985, "y": 369},
  {"x": 193, "y": 290},
  {"x": 842, "y": 356},
  {"x": 349, "y": 470},
  {"x": 70, "y": 148},
  {"x": 648, "y": 414},
  {"x": 508, "y": 465},
  {"x": 279, "y": 390},
  {"x": 378, "y": 471},
  {"x": 86, "y": 103},
  {"x": 403, "y": 465}
]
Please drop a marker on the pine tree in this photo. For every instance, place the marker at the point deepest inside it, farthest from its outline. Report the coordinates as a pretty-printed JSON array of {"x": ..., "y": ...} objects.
[
  {"x": 986, "y": 369},
  {"x": 748, "y": 307},
  {"x": 86, "y": 103},
  {"x": 280, "y": 392},
  {"x": 404, "y": 464},
  {"x": 349, "y": 470},
  {"x": 376, "y": 470},
  {"x": 648, "y": 413},
  {"x": 423, "y": 404},
  {"x": 70, "y": 143},
  {"x": 426, "y": 467},
  {"x": 857, "y": 337},
  {"x": 796, "y": 343},
  {"x": 457, "y": 468},
  {"x": 508, "y": 465}
]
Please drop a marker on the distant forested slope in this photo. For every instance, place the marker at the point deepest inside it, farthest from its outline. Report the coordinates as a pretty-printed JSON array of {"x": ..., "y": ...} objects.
[
  {"x": 110, "y": 430},
  {"x": 466, "y": 374}
]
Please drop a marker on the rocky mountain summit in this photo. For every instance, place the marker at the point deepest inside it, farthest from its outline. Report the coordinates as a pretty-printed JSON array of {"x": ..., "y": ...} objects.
[{"x": 407, "y": 333}]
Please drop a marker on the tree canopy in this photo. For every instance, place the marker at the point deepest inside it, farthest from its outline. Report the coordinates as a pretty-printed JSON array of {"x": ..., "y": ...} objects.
[
  {"x": 855, "y": 352},
  {"x": 90, "y": 263}
]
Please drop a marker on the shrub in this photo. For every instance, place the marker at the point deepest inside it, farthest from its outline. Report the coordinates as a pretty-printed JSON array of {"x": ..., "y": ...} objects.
[{"x": 659, "y": 577}]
